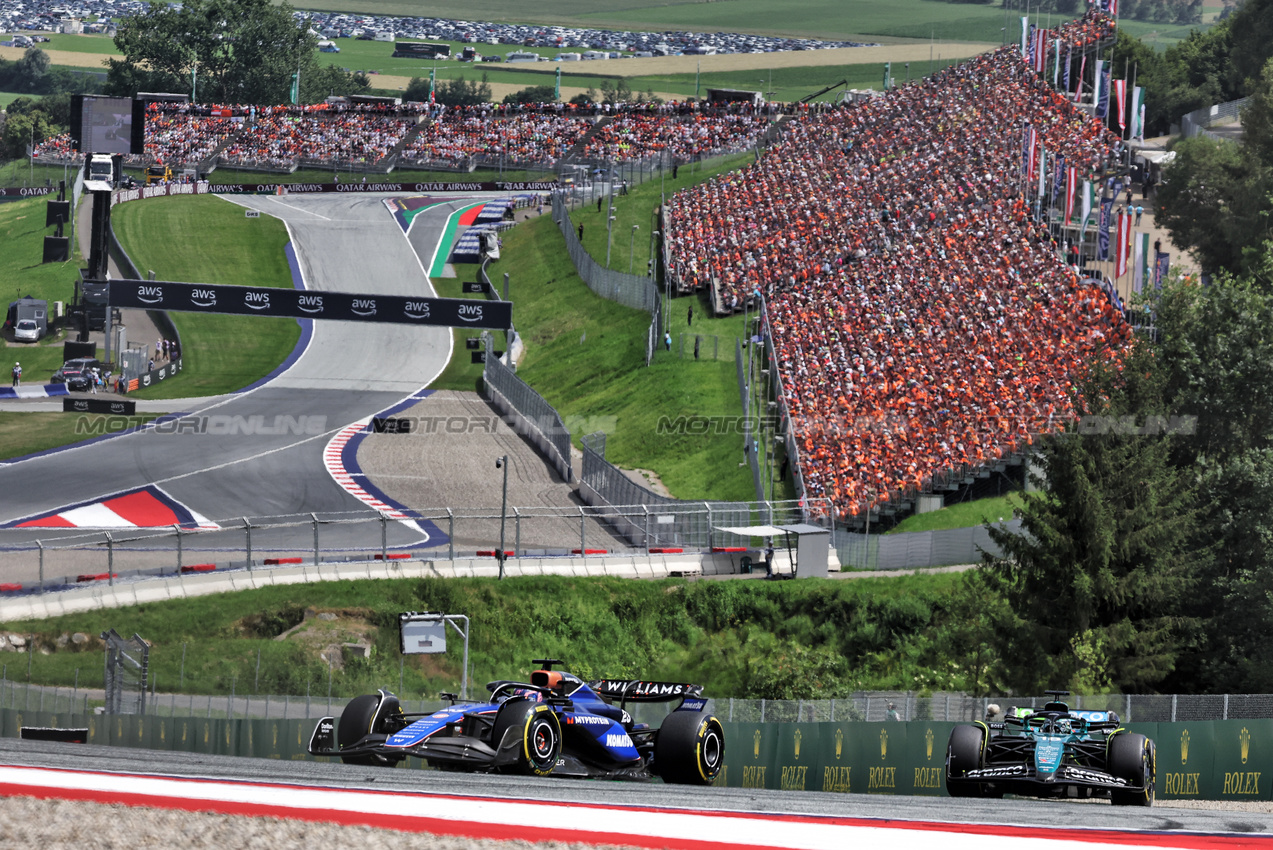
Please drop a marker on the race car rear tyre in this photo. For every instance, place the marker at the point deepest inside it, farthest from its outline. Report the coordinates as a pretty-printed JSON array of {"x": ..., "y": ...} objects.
[
  {"x": 356, "y": 723},
  {"x": 965, "y": 752},
  {"x": 535, "y": 734},
  {"x": 1131, "y": 757},
  {"x": 689, "y": 748}
]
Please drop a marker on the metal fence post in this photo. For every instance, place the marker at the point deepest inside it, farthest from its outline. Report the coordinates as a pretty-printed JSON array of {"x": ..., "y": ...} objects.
[
  {"x": 177, "y": 529},
  {"x": 41, "y": 546},
  {"x": 384, "y": 537},
  {"x": 583, "y": 544},
  {"x": 110, "y": 559},
  {"x": 247, "y": 527},
  {"x": 645, "y": 509},
  {"x": 313, "y": 517},
  {"x": 517, "y": 524},
  {"x": 1226, "y": 707},
  {"x": 450, "y": 533}
]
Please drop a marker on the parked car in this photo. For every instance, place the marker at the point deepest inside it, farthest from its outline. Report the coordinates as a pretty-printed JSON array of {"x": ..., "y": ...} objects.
[
  {"x": 26, "y": 330},
  {"x": 77, "y": 374}
]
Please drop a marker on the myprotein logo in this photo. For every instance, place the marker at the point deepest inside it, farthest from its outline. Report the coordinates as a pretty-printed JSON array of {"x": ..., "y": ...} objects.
[
  {"x": 310, "y": 303},
  {"x": 417, "y": 309},
  {"x": 363, "y": 306},
  {"x": 587, "y": 720},
  {"x": 203, "y": 297},
  {"x": 470, "y": 312},
  {"x": 150, "y": 294},
  {"x": 257, "y": 300}
]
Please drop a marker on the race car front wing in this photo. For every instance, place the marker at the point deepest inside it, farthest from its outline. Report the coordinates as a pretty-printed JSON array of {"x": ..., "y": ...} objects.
[{"x": 1066, "y": 774}]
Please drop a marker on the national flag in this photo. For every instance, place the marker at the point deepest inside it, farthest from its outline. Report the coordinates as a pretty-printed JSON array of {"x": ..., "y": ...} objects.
[
  {"x": 1102, "y": 103},
  {"x": 1071, "y": 186},
  {"x": 1040, "y": 51},
  {"x": 1140, "y": 255},
  {"x": 1138, "y": 113},
  {"x": 1043, "y": 169},
  {"x": 1123, "y": 248},
  {"x": 432, "y": 73},
  {"x": 1078, "y": 84},
  {"x": 1097, "y": 67},
  {"x": 1058, "y": 176},
  {"x": 1089, "y": 200},
  {"x": 1102, "y": 233},
  {"x": 296, "y": 88},
  {"x": 1120, "y": 95},
  {"x": 1025, "y": 36},
  {"x": 1069, "y": 59},
  {"x": 1056, "y": 66},
  {"x": 1027, "y": 155}
]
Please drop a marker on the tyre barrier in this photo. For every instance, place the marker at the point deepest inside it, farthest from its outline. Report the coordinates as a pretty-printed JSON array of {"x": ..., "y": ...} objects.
[{"x": 394, "y": 556}]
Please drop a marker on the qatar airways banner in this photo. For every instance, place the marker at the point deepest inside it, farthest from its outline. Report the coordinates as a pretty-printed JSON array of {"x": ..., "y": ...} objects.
[
  {"x": 17, "y": 193},
  {"x": 346, "y": 188},
  {"x": 300, "y": 304}
]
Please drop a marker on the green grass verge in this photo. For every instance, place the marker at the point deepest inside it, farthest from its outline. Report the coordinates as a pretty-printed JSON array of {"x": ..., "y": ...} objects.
[
  {"x": 203, "y": 239},
  {"x": 962, "y": 515},
  {"x": 24, "y": 433},
  {"x": 22, "y": 233},
  {"x": 745, "y": 638}
]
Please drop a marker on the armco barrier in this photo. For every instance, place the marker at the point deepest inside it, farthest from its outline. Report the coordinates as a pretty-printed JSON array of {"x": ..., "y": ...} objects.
[{"x": 1204, "y": 760}]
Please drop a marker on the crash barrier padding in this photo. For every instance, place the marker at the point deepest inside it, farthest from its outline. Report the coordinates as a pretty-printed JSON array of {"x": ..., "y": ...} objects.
[{"x": 1206, "y": 760}]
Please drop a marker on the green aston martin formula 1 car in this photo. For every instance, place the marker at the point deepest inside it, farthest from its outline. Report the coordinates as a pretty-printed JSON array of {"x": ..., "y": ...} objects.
[{"x": 1052, "y": 752}]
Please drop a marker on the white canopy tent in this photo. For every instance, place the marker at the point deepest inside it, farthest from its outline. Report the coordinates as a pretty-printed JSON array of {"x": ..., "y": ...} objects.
[{"x": 813, "y": 545}]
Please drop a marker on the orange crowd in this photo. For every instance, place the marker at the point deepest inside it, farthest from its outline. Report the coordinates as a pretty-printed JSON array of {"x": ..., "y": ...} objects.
[{"x": 923, "y": 322}]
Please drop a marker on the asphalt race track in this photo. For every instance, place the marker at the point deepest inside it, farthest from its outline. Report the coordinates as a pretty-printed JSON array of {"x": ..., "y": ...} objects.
[
  {"x": 345, "y": 373},
  {"x": 975, "y": 821}
]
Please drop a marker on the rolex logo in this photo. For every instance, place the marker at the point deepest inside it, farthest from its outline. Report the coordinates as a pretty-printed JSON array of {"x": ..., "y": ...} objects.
[
  {"x": 756, "y": 748},
  {"x": 883, "y": 744},
  {"x": 1184, "y": 747},
  {"x": 839, "y": 743},
  {"x": 1244, "y": 738},
  {"x": 800, "y": 735},
  {"x": 928, "y": 743}
]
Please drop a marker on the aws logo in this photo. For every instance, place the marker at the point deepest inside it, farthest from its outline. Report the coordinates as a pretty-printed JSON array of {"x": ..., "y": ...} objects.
[
  {"x": 470, "y": 312},
  {"x": 203, "y": 297},
  {"x": 417, "y": 309},
  {"x": 310, "y": 303},
  {"x": 363, "y": 306},
  {"x": 150, "y": 294},
  {"x": 257, "y": 300}
]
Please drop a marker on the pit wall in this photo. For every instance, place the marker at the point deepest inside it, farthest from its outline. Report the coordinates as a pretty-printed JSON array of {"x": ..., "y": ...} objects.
[{"x": 1206, "y": 760}]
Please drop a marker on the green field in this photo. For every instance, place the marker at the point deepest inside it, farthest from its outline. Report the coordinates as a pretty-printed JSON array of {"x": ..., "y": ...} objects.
[
  {"x": 962, "y": 515},
  {"x": 25, "y": 433},
  {"x": 203, "y": 239}
]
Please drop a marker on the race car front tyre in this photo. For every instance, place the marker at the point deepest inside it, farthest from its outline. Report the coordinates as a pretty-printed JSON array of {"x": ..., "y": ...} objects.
[
  {"x": 535, "y": 735},
  {"x": 1131, "y": 757},
  {"x": 689, "y": 748},
  {"x": 356, "y": 723},
  {"x": 964, "y": 753}
]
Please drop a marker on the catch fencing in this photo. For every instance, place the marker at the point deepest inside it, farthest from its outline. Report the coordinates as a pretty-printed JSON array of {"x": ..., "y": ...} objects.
[
  {"x": 531, "y": 416},
  {"x": 236, "y": 698},
  {"x": 918, "y": 549},
  {"x": 1198, "y": 122}
]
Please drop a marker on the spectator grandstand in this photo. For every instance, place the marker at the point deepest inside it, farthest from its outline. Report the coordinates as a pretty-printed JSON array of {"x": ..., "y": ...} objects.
[{"x": 921, "y": 318}]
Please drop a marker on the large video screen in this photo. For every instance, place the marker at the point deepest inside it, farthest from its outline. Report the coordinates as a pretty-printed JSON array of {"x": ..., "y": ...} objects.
[{"x": 105, "y": 124}]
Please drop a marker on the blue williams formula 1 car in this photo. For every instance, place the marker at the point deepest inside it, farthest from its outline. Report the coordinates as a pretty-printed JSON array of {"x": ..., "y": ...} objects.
[
  {"x": 1054, "y": 752},
  {"x": 554, "y": 724}
]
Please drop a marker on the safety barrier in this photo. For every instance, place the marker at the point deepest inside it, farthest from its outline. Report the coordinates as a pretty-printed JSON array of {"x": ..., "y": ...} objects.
[{"x": 1204, "y": 760}]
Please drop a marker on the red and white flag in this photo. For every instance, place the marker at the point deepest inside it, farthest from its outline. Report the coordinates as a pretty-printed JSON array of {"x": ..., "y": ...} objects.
[
  {"x": 1124, "y": 247},
  {"x": 1120, "y": 94},
  {"x": 1071, "y": 189}
]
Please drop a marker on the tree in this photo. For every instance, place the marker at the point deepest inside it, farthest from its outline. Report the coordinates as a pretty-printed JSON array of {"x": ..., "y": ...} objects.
[
  {"x": 1099, "y": 577},
  {"x": 460, "y": 92},
  {"x": 533, "y": 94},
  {"x": 23, "y": 131},
  {"x": 1217, "y": 351},
  {"x": 31, "y": 68},
  {"x": 613, "y": 91},
  {"x": 239, "y": 51}
]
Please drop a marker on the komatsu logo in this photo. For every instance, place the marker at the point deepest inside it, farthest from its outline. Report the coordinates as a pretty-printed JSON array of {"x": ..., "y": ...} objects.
[
  {"x": 470, "y": 312},
  {"x": 364, "y": 306},
  {"x": 417, "y": 309},
  {"x": 257, "y": 300},
  {"x": 619, "y": 740},
  {"x": 150, "y": 294},
  {"x": 203, "y": 297},
  {"x": 310, "y": 303}
]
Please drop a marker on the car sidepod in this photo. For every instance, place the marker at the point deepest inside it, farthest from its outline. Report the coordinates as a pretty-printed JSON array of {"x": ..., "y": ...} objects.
[{"x": 599, "y": 740}]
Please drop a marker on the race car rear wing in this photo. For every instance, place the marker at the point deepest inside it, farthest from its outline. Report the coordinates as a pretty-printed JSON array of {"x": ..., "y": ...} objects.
[{"x": 638, "y": 691}]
